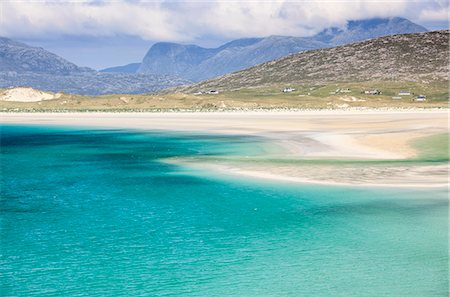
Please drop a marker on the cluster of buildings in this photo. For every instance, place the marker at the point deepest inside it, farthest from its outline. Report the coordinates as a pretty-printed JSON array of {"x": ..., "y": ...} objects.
[{"x": 419, "y": 98}]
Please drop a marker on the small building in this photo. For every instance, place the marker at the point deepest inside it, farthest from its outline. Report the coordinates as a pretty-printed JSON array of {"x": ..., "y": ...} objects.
[
  {"x": 198, "y": 93},
  {"x": 288, "y": 90},
  {"x": 372, "y": 92},
  {"x": 421, "y": 98},
  {"x": 343, "y": 90},
  {"x": 404, "y": 93},
  {"x": 212, "y": 92}
]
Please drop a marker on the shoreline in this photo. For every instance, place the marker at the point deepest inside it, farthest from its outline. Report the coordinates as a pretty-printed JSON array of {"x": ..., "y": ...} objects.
[
  {"x": 225, "y": 111},
  {"x": 320, "y": 134}
]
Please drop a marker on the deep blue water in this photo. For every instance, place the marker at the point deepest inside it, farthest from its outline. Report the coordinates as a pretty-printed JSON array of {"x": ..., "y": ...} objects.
[{"x": 89, "y": 212}]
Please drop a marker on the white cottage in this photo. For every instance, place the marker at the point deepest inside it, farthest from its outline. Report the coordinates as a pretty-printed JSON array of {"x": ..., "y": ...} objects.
[{"x": 421, "y": 98}]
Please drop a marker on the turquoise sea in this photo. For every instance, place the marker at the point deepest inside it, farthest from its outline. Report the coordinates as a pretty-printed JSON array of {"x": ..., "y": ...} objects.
[{"x": 91, "y": 212}]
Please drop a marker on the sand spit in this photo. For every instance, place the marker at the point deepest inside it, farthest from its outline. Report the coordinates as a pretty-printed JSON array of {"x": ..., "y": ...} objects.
[{"x": 421, "y": 176}]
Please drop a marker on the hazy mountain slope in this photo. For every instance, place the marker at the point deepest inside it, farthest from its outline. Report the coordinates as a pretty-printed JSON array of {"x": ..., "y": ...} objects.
[
  {"x": 368, "y": 29},
  {"x": 196, "y": 63},
  {"x": 26, "y": 66},
  {"x": 129, "y": 68},
  {"x": 237, "y": 58},
  {"x": 97, "y": 83},
  {"x": 409, "y": 57},
  {"x": 173, "y": 59},
  {"x": 19, "y": 57}
]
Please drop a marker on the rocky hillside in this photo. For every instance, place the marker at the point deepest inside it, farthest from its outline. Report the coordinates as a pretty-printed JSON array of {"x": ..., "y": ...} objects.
[
  {"x": 196, "y": 63},
  {"x": 422, "y": 57},
  {"x": 26, "y": 66}
]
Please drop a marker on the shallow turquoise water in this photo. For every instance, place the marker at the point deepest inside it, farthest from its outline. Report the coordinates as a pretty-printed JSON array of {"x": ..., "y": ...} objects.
[{"x": 95, "y": 213}]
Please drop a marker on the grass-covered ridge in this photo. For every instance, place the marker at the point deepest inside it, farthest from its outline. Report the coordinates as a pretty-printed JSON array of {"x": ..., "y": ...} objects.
[{"x": 305, "y": 96}]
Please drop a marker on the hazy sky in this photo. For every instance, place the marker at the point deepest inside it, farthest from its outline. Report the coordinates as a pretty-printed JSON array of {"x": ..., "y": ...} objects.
[{"x": 100, "y": 34}]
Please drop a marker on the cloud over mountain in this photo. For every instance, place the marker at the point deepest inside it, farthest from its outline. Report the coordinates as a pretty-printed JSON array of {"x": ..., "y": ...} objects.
[{"x": 190, "y": 21}]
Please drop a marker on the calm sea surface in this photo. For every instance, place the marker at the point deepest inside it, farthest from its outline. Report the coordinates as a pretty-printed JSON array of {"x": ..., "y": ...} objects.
[{"x": 88, "y": 212}]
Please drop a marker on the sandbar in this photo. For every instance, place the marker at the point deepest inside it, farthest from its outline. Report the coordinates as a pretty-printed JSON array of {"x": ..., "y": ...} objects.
[{"x": 359, "y": 137}]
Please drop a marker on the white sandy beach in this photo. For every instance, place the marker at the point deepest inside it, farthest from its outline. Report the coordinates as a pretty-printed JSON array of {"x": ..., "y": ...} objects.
[{"x": 309, "y": 135}]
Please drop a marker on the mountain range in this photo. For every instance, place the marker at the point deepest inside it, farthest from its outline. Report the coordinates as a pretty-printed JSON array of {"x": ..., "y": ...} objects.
[
  {"x": 418, "y": 57},
  {"x": 169, "y": 65},
  {"x": 24, "y": 65},
  {"x": 196, "y": 63}
]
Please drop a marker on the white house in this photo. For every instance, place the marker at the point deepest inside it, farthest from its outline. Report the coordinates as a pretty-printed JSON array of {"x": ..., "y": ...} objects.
[
  {"x": 212, "y": 92},
  {"x": 343, "y": 90},
  {"x": 421, "y": 98},
  {"x": 288, "y": 90}
]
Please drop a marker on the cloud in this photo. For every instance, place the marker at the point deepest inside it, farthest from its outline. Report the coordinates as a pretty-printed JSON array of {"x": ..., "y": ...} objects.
[
  {"x": 429, "y": 15},
  {"x": 86, "y": 18},
  {"x": 190, "y": 21}
]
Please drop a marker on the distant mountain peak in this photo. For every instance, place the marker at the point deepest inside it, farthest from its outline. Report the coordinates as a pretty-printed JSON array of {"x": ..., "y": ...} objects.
[
  {"x": 356, "y": 30},
  {"x": 378, "y": 21},
  {"x": 20, "y": 57}
]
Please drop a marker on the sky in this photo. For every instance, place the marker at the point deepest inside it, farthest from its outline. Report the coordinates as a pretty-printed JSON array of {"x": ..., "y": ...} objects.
[{"x": 99, "y": 34}]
